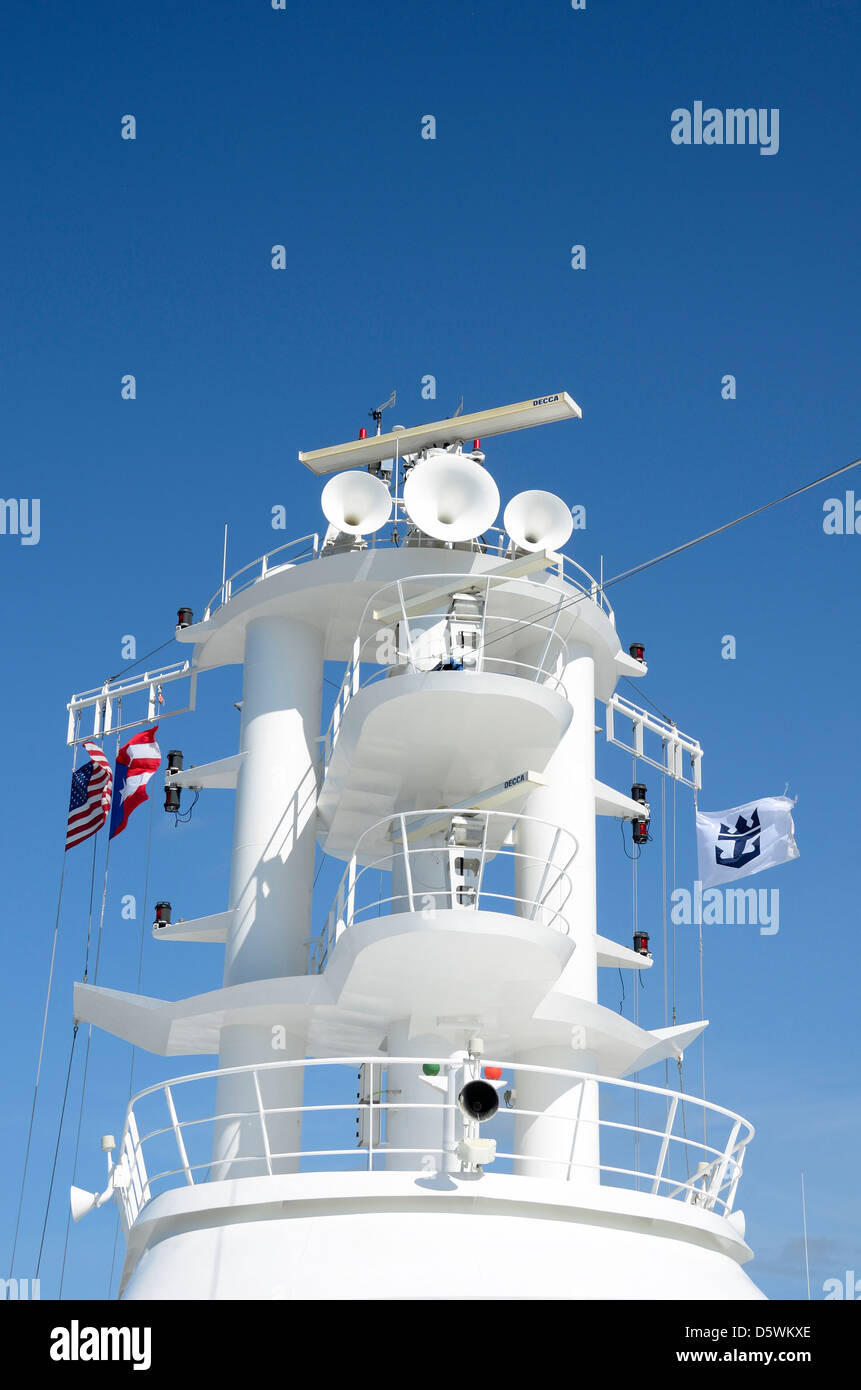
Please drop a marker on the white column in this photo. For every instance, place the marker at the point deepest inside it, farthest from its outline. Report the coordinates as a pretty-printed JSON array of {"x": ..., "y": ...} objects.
[
  {"x": 272, "y": 868},
  {"x": 271, "y": 877},
  {"x": 568, "y": 801},
  {"x": 421, "y": 868},
  {"x": 414, "y": 1129}
]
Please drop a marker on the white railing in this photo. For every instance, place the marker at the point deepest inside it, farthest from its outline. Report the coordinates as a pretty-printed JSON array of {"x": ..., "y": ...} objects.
[
  {"x": 650, "y": 1151},
  {"x": 401, "y": 631},
  {"x": 261, "y": 568},
  {"x": 676, "y": 748},
  {"x": 397, "y": 535},
  {"x": 360, "y": 896},
  {"x": 106, "y": 701}
]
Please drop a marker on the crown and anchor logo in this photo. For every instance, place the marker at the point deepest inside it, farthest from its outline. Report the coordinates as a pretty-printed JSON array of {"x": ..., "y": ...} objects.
[{"x": 745, "y": 832}]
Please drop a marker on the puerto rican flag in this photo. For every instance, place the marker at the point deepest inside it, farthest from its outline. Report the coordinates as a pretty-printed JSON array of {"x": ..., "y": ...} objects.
[{"x": 137, "y": 760}]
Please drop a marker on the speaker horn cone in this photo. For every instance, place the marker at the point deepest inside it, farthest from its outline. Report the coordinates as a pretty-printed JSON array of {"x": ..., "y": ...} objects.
[
  {"x": 451, "y": 497},
  {"x": 356, "y": 503},
  {"x": 538, "y": 520}
]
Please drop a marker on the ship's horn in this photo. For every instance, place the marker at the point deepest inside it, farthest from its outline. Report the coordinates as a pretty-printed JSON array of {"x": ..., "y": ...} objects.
[
  {"x": 451, "y": 497},
  {"x": 81, "y": 1202},
  {"x": 538, "y": 520},
  {"x": 356, "y": 503},
  {"x": 478, "y": 1100}
]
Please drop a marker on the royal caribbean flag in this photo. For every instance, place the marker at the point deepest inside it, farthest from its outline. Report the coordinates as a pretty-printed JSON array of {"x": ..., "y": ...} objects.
[
  {"x": 90, "y": 797},
  {"x": 733, "y": 844},
  {"x": 137, "y": 760}
]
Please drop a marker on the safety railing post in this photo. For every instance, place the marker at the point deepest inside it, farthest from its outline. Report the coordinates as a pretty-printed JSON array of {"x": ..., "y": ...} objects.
[
  {"x": 718, "y": 1176},
  {"x": 262, "y": 1114},
  {"x": 405, "y": 850},
  {"x": 665, "y": 1144},
  {"x": 180, "y": 1143},
  {"x": 351, "y": 893}
]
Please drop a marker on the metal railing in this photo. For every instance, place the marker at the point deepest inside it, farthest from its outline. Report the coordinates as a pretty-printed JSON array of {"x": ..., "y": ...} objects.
[
  {"x": 419, "y": 635},
  {"x": 261, "y": 568},
  {"x": 398, "y": 535},
  {"x": 656, "y": 1154},
  {"x": 359, "y": 896}
]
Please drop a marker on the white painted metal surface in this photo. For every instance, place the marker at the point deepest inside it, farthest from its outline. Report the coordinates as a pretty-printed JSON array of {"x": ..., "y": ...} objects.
[{"x": 320, "y": 1157}]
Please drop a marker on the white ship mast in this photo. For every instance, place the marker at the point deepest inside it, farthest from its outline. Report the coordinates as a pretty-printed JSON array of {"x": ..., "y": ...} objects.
[{"x": 488, "y": 1148}]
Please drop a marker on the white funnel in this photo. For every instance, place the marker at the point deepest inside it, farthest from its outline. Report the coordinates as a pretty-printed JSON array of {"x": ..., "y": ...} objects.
[
  {"x": 451, "y": 497},
  {"x": 538, "y": 520},
  {"x": 356, "y": 503}
]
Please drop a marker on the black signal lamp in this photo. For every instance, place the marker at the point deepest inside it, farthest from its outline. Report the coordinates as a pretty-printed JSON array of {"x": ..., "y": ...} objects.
[{"x": 640, "y": 830}]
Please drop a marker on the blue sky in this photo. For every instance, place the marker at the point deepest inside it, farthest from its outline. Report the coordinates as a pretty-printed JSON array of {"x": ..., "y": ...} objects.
[{"x": 451, "y": 257}]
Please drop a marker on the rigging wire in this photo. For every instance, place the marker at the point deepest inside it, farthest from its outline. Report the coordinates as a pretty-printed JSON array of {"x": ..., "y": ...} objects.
[
  {"x": 676, "y": 550},
  {"x": 133, "y": 664},
  {"x": 41, "y": 1047},
  {"x": 137, "y": 991},
  {"x": 664, "y": 920},
  {"x": 57, "y": 1147},
  {"x": 69, "y": 1068},
  {"x": 635, "y": 1013},
  {"x": 90, "y": 1028}
]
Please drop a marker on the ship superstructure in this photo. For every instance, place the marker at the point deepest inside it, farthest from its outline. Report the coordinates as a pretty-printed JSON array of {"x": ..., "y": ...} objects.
[{"x": 417, "y": 1092}]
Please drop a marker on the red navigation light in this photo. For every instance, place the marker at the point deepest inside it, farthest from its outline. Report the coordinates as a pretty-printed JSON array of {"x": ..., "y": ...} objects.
[
  {"x": 493, "y": 1073},
  {"x": 476, "y": 444},
  {"x": 641, "y": 943},
  {"x": 363, "y": 433},
  {"x": 637, "y": 651}
]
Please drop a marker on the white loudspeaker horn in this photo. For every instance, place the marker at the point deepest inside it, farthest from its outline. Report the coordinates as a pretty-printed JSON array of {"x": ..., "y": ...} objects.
[
  {"x": 538, "y": 520},
  {"x": 81, "y": 1202},
  {"x": 451, "y": 497},
  {"x": 356, "y": 503}
]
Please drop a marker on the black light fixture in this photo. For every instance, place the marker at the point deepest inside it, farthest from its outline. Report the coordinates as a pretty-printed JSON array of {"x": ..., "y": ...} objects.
[
  {"x": 172, "y": 794},
  {"x": 640, "y": 831},
  {"x": 479, "y": 1100},
  {"x": 637, "y": 651},
  {"x": 638, "y": 791},
  {"x": 162, "y": 915},
  {"x": 641, "y": 943},
  {"x": 184, "y": 617}
]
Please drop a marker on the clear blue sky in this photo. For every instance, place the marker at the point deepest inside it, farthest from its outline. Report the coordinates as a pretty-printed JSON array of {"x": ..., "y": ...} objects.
[{"x": 452, "y": 257}]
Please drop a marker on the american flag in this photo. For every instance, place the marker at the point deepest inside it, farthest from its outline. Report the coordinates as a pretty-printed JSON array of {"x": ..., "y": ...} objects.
[{"x": 90, "y": 799}]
